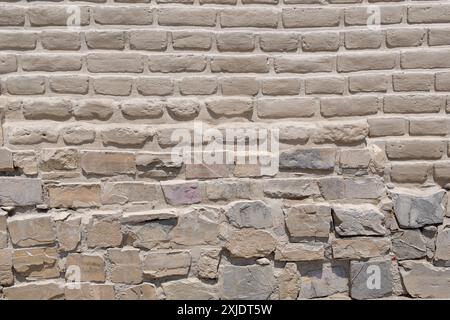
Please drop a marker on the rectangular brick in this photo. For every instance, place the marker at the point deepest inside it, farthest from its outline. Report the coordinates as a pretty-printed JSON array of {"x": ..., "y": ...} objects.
[
  {"x": 412, "y": 103},
  {"x": 415, "y": 149},
  {"x": 349, "y": 62},
  {"x": 254, "y": 17},
  {"x": 304, "y": 64},
  {"x": 311, "y": 17},
  {"x": 122, "y": 15},
  {"x": 350, "y": 106}
]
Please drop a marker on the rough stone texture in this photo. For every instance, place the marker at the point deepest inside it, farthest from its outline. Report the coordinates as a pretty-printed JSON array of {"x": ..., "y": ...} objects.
[
  {"x": 214, "y": 149},
  {"x": 364, "y": 277}
]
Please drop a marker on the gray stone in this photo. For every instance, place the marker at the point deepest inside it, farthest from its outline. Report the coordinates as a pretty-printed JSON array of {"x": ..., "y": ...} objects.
[
  {"x": 251, "y": 243},
  {"x": 409, "y": 244},
  {"x": 159, "y": 264},
  {"x": 415, "y": 209},
  {"x": 308, "y": 159},
  {"x": 364, "y": 188},
  {"x": 355, "y": 220},
  {"x": 189, "y": 289},
  {"x": 323, "y": 280},
  {"x": 289, "y": 282},
  {"x": 3, "y": 232},
  {"x": 423, "y": 280},
  {"x": 292, "y": 188},
  {"x": 253, "y": 214},
  {"x": 443, "y": 246},
  {"x": 308, "y": 220},
  {"x": 12, "y": 191},
  {"x": 31, "y": 230},
  {"x": 360, "y": 247},
  {"x": 253, "y": 282},
  {"x": 370, "y": 279}
]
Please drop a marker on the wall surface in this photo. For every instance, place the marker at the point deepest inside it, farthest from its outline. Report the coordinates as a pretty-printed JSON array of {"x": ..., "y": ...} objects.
[{"x": 351, "y": 96}]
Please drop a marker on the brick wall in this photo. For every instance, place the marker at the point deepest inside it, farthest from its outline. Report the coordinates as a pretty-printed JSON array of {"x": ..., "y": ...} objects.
[{"x": 93, "y": 206}]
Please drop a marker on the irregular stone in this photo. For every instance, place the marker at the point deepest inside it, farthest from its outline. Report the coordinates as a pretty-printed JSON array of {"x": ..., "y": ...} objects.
[
  {"x": 300, "y": 252},
  {"x": 323, "y": 280},
  {"x": 250, "y": 243},
  {"x": 308, "y": 159},
  {"x": 208, "y": 263},
  {"x": 104, "y": 232},
  {"x": 41, "y": 290},
  {"x": 36, "y": 263},
  {"x": 443, "y": 246},
  {"x": 292, "y": 188},
  {"x": 183, "y": 109},
  {"x": 6, "y": 160},
  {"x": 68, "y": 233},
  {"x": 408, "y": 244},
  {"x": 91, "y": 267},
  {"x": 206, "y": 171},
  {"x": 133, "y": 191},
  {"x": 142, "y": 109},
  {"x": 160, "y": 264},
  {"x": 150, "y": 215},
  {"x": 360, "y": 247},
  {"x": 231, "y": 190},
  {"x": 100, "y": 109},
  {"x": 108, "y": 163},
  {"x": 26, "y": 161},
  {"x": 370, "y": 279},
  {"x": 32, "y": 134},
  {"x": 180, "y": 193},
  {"x": 197, "y": 226},
  {"x": 253, "y": 282},
  {"x": 74, "y": 195},
  {"x": 11, "y": 191},
  {"x": 250, "y": 214},
  {"x": 3, "y": 231},
  {"x": 6, "y": 273},
  {"x": 189, "y": 289},
  {"x": 423, "y": 280},
  {"x": 289, "y": 282},
  {"x": 31, "y": 230},
  {"x": 308, "y": 220},
  {"x": 90, "y": 291},
  {"x": 157, "y": 165},
  {"x": 341, "y": 132},
  {"x": 415, "y": 209},
  {"x": 126, "y": 136},
  {"x": 145, "y": 291},
  {"x": 59, "y": 159},
  {"x": 125, "y": 266},
  {"x": 152, "y": 234},
  {"x": 364, "y": 188},
  {"x": 78, "y": 134},
  {"x": 358, "y": 220}
]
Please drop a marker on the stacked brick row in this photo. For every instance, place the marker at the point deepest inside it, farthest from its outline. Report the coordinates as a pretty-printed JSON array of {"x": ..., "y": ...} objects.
[{"x": 94, "y": 206}]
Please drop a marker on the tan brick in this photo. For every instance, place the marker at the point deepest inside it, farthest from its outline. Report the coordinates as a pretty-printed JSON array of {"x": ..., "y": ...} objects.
[
  {"x": 363, "y": 39},
  {"x": 350, "y": 106},
  {"x": 368, "y": 83},
  {"x": 325, "y": 85},
  {"x": 205, "y": 17},
  {"x": 279, "y": 42},
  {"x": 413, "y": 81},
  {"x": 240, "y": 64},
  {"x": 287, "y": 107},
  {"x": 311, "y": 17},
  {"x": 381, "y": 127},
  {"x": 405, "y": 37},
  {"x": 349, "y": 62},
  {"x": 428, "y": 126},
  {"x": 108, "y": 163},
  {"x": 125, "y": 266},
  {"x": 74, "y": 195},
  {"x": 415, "y": 149},
  {"x": 280, "y": 86},
  {"x": 235, "y": 41},
  {"x": 39, "y": 290},
  {"x": 304, "y": 64},
  {"x": 92, "y": 266},
  {"x": 254, "y": 17},
  {"x": 122, "y": 15},
  {"x": 320, "y": 41},
  {"x": 104, "y": 230},
  {"x": 31, "y": 230},
  {"x": 410, "y": 172},
  {"x": 412, "y": 103},
  {"x": 187, "y": 40}
]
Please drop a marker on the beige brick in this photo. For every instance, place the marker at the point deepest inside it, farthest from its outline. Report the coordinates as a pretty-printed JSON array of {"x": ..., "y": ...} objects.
[
  {"x": 359, "y": 15},
  {"x": 304, "y": 64},
  {"x": 8, "y": 63},
  {"x": 6, "y": 273},
  {"x": 368, "y": 83},
  {"x": 122, "y": 15},
  {"x": 425, "y": 59},
  {"x": 415, "y": 149},
  {"x": 436, "y": 13},
  {"x": 381, "y": 127},
  {"x": 90, "y": 109},
  {"x": 12, "y": 16},
  {"x": 69, "y": 84},
  {"x": 410, "y": 172},
  {"x": 354, "y": 158},
  {"x": 325, "y": 85},
  {"x": 148, "y": 40},
  {"x": 235, "y": 41},
  {"x": 108, "y": 163},
  {"x": 287, "y": 107},
  {"x": 92, "y": 266},
  {"x": 311, "y": 17},
  {"x": 254, "y": 17},
  {"x": 205, "y": 17},
  {"x": 234, "y": 86},
  {"x": 25, "y": 85},
  {"x": 51, "y": 15},
  {"x": 176, "y": 63},
  {"x": 31, "y": 230},
  {"x": 187, "y": 40},
  {"x": 230, "y": 107},
  {"x": 405, "y": 37},
  {"x": 39, "y": 290},
  {"x": 412, "y": 103},
  {"x": 60, "y": 40},
  {"x": 114, "y": 86},
  {"x": 280, "y": 86},
  {"x": 278, "y": 42},
  {"x": 413, "y": 81},
  {"x": 74, "y": 195},
  {"x": 125, "y": 266},
  {"x": 154, "y": 86},
  {"x": 104, "y": 230},
  {"x": 350, "y": 106},
  {"x": 441, "y": 172},
  {"x": 428, "y": 126},
  {"x": 438, "y": 36},
  {"x": 17, "y": 40},
  {"x": 349, "y": 62},
  {"x": 443, "y": 81},
  {"x": 320, "y": 41},
  {"x": 159, "y": 264},
  {"x": 105, "y": 39},
  {"x": 240, "y": 64},
  {"x": 198, "y": 85},
  {"x": 119, "y": 62},
  {"x": 51, "y": 63},
  {"x": 363, "y": 39}
]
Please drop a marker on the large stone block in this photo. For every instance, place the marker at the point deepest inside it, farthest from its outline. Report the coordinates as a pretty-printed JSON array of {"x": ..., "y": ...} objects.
[
  {"x": 20, "y": 191},
  {"x": 31, "y": 230},
  {"x": 250, "y": 214}
]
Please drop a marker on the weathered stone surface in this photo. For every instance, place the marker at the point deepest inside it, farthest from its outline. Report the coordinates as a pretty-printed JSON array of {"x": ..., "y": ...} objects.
[
  {"x": 11, "y": 191},
  {"x": 308, "y": 221},
  {"x": 91, "y": 266},
  {"x": 300, "y": 252},
  {"x": 31, "y": 230},
  {"x": 74, "y": 195},
  {"x": 358, "y": 220},
  {"x": 6, "y": 160},
  {"x": 59, "y": 159},
  {"x": 150, "y": 215},
  {"x": 308, "y": 159},
  {"x": 341, "y": 133},
  {"x": 160, "y": 264},
  {"x": 68, "y": 233},
  {"x": 323, "y": 280},
  {"x": 371, "y": 279},
  {"x": 443, "y": 246},
  {"x": 6, "y": 273},
  {"x": 252, "y": 282},
  {"x": 197, "y": 226},
  {"x": 250, "y": 214},
  {"x": 291, "y": 188},
  {"x": 108, "y": 163},
  {"x": 179, "y": 193},
  {"x": 208, "y": 263},
  {"x": 90, "y": 291},
  {"x": 42, "y": 290},
  {"x": 251, "y": 243},
  {"x": 36, "y": 263},
  {"x": 146, "y": 291},
  {"x": 289, "y": 282},
  {"x": 152, "y": 234},
  {"x": 360, "y": 247},
  {"x": 134, "y": 191},
  {"x": 104, "y": 231},
  {"x": 415, "y": 209},
  {"x": 189, "y": 289},
  {"x": 409, "y": 244},
  {"x": 125, "y": 266},
  {"x": 422, "y": 280},
  {"x": 3, "y": 231}
]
